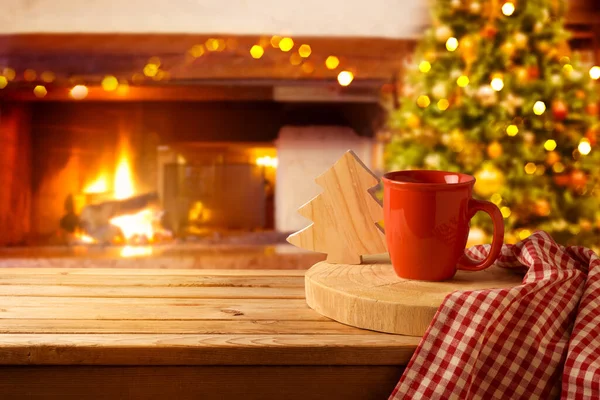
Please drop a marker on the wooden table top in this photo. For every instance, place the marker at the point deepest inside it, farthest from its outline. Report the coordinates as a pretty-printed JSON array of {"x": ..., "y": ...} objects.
[{"x": 177, "y": 317}]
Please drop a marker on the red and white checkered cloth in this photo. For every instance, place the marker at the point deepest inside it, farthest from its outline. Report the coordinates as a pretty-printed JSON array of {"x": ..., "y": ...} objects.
[{"x": 539, "y": 340}]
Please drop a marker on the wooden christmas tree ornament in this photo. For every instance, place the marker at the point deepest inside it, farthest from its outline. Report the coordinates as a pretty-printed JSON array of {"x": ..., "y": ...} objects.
[{"x": 345, "y": 216}]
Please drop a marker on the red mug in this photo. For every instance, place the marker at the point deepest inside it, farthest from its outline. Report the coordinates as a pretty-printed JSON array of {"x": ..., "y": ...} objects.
[{"x": 427, "y": 216}]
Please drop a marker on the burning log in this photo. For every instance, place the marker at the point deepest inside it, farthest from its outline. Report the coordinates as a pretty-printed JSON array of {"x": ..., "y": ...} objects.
[{"x": 95, "y": 218}]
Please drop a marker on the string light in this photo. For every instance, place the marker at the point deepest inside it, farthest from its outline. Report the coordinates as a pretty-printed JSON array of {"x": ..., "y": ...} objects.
[
  {"x": 304, "y": 51},
  {"x": 308, "y": 67},
  {"x": 40, "y": 91},
  {"x": 332, "y": 62},
  {"x": 584, "y": 147},
  {"x": 286, "y": 44},
  {"x": 443, "y": 104},
  {"x": 550, "y": 144},
  {"x": 505, "y": 212},
  {"x": 275, "y": 41},
  {"x": 497, "y": 84},
  {"x": 530, "y": 168},
  {"x": 508, "y": 8},
  {"x": 295, "y": 59},
  {"x": 423, "y": 101},
  {"x": 567, "y": 69},
  {"x": 197, "y": 50},
  {"x": 345, "y": 78},
  {"x": 109, "y": 83},
  {"x": 47, "y": 76},
  {"x": 257, "y": 51},
  {"x": 3, "y": 82},
  {"x": 524, "y": 234},
  {"x": 595, "y": 72},
  {"x": 558, "y": 167},
  {"x": 512, "y": 130},
  {"x": 424, "y": 67},
  {"x": 29, "y": 75},
  {"x": 539, "y": 108},
  {"x": 9, "y": 73},
  {"x": 123, "y": 88},
  {"x": 151, "y": 70},
  {"x": 462, "y": 81},
  {"x": 496, "y": 199},
  {"x": 452, "y": 44},
  {"x": 212, "y": 44},
  {"x": 79, "y": 92}
]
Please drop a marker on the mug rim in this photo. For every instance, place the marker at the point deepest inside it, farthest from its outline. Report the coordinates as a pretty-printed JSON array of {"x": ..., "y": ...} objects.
[{"x": 388, "y": 178}]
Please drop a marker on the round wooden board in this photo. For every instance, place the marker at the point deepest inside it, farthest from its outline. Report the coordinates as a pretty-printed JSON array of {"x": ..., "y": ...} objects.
[{"x": 371, "y": 295}]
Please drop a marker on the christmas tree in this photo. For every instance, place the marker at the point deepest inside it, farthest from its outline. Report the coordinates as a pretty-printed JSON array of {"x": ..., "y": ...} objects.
[
  {"x": 494, "y": 91},
  {"x": 345, "y": 215}
]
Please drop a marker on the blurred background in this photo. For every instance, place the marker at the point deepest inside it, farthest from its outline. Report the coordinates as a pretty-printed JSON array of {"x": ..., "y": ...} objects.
[{"x": 148, "y": 123}]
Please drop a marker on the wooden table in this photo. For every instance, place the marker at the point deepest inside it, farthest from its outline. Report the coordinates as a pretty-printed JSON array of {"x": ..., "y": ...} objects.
[{"x": 178, "y": 334}]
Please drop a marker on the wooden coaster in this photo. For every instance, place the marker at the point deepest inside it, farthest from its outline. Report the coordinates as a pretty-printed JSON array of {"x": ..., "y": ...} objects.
[{"x": 371, "y": 295}]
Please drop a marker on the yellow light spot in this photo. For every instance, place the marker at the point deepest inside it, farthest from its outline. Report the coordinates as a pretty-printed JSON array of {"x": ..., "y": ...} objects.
[
  {"x": 530, "y": 168},
  {"x": 286, "y": 44},
  {"x": 221, "y": 44},
  {"x": 304, "y": 51},
  {"x": 558, "y": 167},
  {"x": 550, "y": 144},
  {"x": 40, "y": 91},
  {"x": 197, "y": 50},
  {"x": 275, "y": 41},
  {"x": 332, "y": 62},
  {"x": 595, "y": 72},
  {"x": 425, "y": 66},
  {"x": 151, "y": 70},
  {"x": 212, "y": 44},
  {"x": 109, "y": 83},
  {"x": 154, "y": 60},
  {"x": 540, "y": 170},
  {"x": 423, "y": 101},
  {"x": 345, "y": 78},
  {"x": 452, "y": 44},
  {"x": 567, "y": 69},
  {"x": 47, "y": 76},
  {"x": 539, "y": 108},
  {"x": 497, "y": 84},
  {"x": 505, "y": 212},
  {"x": 524, "y": 234},
  {"x": 295, "y": 59},
  {"x": 565, "y": 60},
  {"x": 508, "y": 8},
  {"x": 123, "y": 88},
  {"x": 9, "y": 73},
  {"x": 3, "y": 82},
  {"x": 257, "y": 51},
  {"x": 29, "y": 75},
  {"x": 584, "y": 147},
  {"x": 308, "y": 67},
  {"x": 79, "y": 92},
  {"x": 443, "y": 104},
  {"x": 512, "y": 130},
  {"x": 462, "y": 81},
  {"x": 496, "y": 198}
]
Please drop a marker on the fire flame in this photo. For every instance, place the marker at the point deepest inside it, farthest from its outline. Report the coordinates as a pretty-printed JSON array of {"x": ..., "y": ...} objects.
[
  {"x": 123, "y": 185},
  {"x": 100, "y": 185}
]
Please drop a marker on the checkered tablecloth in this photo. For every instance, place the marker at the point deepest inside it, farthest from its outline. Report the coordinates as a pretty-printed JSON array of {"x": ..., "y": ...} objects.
[{"x": 539, "y": 340}]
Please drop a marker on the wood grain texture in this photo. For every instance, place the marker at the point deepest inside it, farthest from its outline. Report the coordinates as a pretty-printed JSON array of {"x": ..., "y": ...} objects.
[
  {"x": 345, "y": 215},
  {"x": 372, "y": 296},
  {"x": 198, "y": 382}
]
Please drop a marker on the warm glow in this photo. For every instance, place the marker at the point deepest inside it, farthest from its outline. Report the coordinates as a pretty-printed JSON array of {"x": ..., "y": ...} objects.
[
  {"x": 256, "y": 51},
  {"x": 9, "y": 73},
  {"x": 83, "y": 238},
  {"x": 212, "y": 44},
  {"x": 3, "y": 82},
  {"x": 524, "y": 234},
  {"x": 345, "y": 78},
  {"x": 286, "y": 44},
  {"x": 196, "y": 50},
  {"x": 558, "y": 167},
  {"x": 332, "y": 62},
  {"x": 539, "y": 108},
  {"x": 136, "y": 251},
  {"x": 462, "y": 81},
  {"x": 550, "y": 144},
  {"x": 47, "y": 76},
  {"x": 443, "y": 104},
  {"x": 295, "y": 59},
  {"x": 123, "y": 178},
  {"x": 423, "y": 101},
  {"x": 79, "y": 92},
  {"x": 29, "y": 75},
  {"x": 40, "y": 91},
  {"x": 138, "y": 224},
  {"x": 530, "y": 168},
  {"x": 151, "y": 70},
  {"x": 123, "y": 88},
  {"x": 425, "y": 67},
  {"x": 595, "y": 72},
  {"x": 567, "y": 69},
  {"x": 508, "y": 9},
  {"x": 308, "y": 67},
  {"x": 505, "y": 212},
  {"x": 267, "y": 161},
  {"x": 584, "y": 147},
  {"x": 110, "y": 83},
  {"x": 497, "y": 84},
  {"x": 512, "y": 130},
  {"x": 304, "y": 51},
  {"x": 275, "y": 40},
  {"x": 100, "y": 185},
  {"x": 452, "y": 44}
]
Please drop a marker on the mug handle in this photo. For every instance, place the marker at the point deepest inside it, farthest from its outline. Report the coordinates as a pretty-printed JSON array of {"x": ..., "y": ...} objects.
[{"x": 466, "y": 263}]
